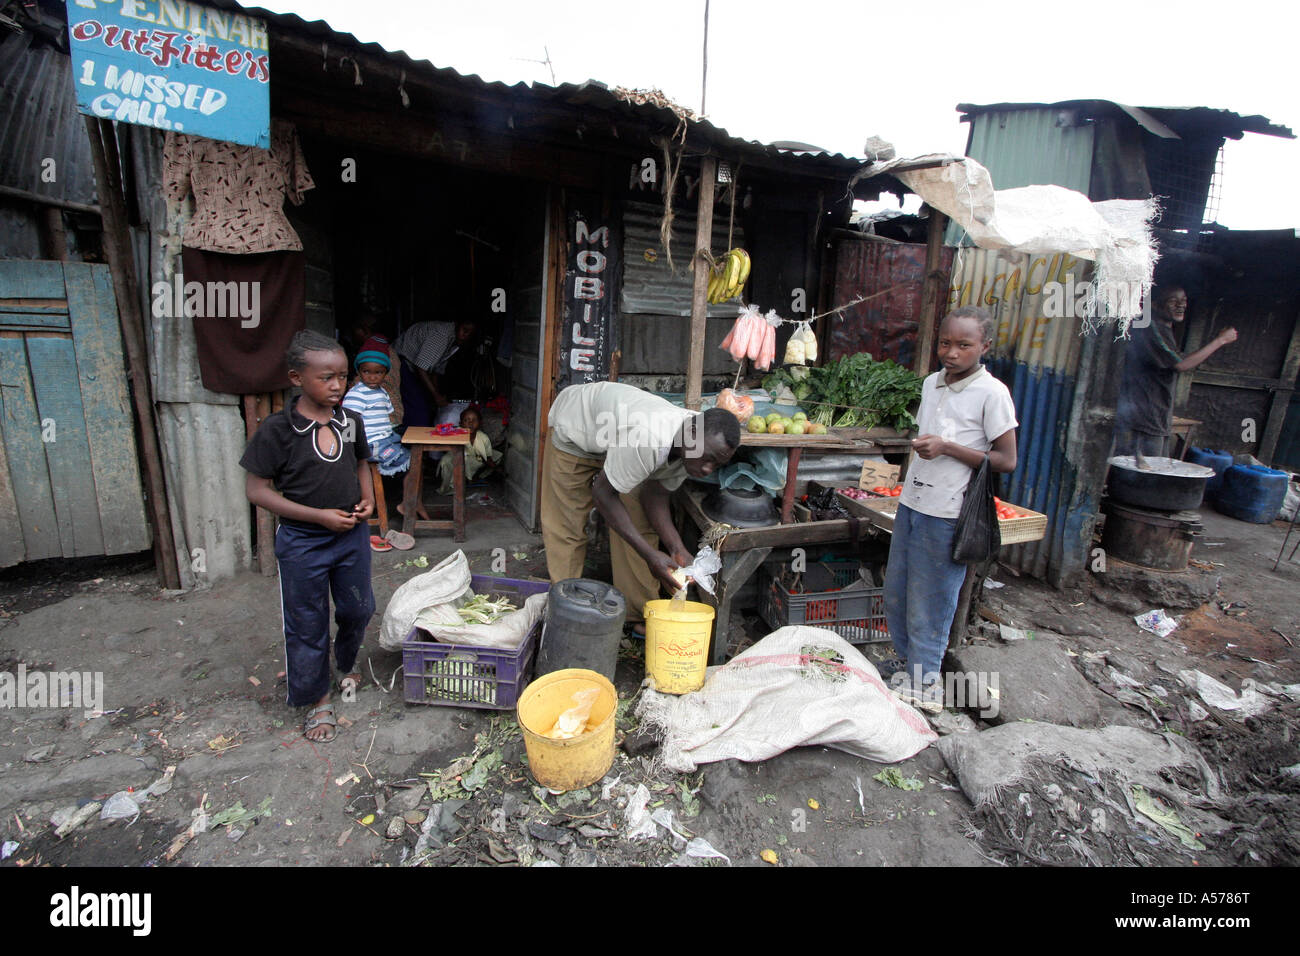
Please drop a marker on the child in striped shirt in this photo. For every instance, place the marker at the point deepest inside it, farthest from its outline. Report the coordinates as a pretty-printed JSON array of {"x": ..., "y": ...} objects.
[{"x": 369, "y": 400}]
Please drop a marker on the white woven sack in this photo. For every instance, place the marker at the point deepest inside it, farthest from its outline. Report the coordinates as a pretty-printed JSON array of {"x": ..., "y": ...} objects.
[
  {"x": 788, "y": 690},
  {"x": 507, "y": 632},
  {"x": 445, "y": 583}
]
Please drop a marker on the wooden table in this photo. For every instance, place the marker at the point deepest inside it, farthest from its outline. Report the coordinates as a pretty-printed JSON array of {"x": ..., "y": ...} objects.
[
  {"x": 842, "y": 441},
  {"x": 1184, "y": 427},
  {"x": 744, "y": 550},
  {"x": 424, "y": 439}
]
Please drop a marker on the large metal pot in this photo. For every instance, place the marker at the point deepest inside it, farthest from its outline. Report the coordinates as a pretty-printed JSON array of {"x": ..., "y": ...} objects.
[{"x": 1166, "y": 484}]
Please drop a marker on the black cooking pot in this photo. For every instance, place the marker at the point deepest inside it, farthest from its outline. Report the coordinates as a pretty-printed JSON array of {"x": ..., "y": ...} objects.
[
  {"x": 742, "y": 508},
  {"x": 1166, "y": 484}
]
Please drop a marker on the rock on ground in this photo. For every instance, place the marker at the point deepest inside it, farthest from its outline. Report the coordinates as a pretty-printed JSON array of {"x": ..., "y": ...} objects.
[{"x": 1036, "y": 680}]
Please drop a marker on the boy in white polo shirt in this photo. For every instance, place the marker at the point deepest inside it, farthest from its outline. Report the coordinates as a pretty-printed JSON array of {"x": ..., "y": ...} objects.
[{"x": 965, "y": 415}]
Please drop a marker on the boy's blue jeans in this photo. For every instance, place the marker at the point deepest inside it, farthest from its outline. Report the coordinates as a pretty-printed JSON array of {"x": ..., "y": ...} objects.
[
  {"x": 313, "y": 563},
  {"x": 922, "y": 584}
]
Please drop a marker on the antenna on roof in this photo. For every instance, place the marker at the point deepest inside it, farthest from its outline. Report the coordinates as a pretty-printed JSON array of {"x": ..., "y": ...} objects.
[
  {"x": 704, "y": 75},
  {"x": 546, "y": 63}
]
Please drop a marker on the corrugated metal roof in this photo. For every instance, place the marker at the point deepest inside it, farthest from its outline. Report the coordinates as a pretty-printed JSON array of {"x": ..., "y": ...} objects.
[
  {"x": 592, "y": 94},
  {"x": 39, "y": 121},
  {"x": 1033, "y": 146},
  {"x": 1181, "y": 119}
]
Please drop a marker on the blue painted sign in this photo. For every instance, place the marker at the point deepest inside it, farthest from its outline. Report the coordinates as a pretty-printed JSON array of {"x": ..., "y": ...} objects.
[{"x": 172, "y": 65}]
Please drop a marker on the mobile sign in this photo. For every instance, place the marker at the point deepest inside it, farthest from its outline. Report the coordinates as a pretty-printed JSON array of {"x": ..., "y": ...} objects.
[{"x": 172, "y": 65}]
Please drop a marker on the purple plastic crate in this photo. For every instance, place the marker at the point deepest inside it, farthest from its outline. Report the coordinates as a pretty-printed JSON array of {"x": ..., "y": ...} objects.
[{"x": 462, "y": 675}]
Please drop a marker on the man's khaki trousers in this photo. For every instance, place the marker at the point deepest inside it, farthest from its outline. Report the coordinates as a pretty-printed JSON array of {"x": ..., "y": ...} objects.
[{"x": 566, "y": 502}]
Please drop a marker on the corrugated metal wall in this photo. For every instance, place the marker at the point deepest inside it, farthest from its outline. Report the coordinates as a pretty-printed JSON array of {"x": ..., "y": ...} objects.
[
  {"x": 1043, "y": 359},
  {"x": 885, "y": 325},
  {"x": 201, "y": 432}
]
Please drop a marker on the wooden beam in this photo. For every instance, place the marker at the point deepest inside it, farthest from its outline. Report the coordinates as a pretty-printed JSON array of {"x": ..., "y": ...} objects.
[
  {"x": 22, "y": 194},
  {"x": 1281, "y": 403},
  {"x": 121, "y": 261},
  {"x": 700, "y": 263},
  {"x": 930, "y": 292}
]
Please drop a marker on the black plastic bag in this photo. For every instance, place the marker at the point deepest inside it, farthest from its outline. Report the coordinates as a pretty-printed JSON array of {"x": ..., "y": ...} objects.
[{"x": 977, "y": 537}]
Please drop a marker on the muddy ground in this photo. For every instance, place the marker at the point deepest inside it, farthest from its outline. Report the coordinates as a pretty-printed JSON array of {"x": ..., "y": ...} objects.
[{"x": 192, "y": 682}]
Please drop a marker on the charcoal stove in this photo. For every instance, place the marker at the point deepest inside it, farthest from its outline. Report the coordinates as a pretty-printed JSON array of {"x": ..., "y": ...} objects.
[{"x": 1147, "y": 537}]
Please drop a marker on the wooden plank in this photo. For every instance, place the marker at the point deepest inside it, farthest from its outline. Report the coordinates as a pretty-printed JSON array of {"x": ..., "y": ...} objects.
[
  {"x": 29, "y": 473},
  {"x": 791, "y": 477},
  {"x": 699, "y": 260},
  {"x": 1281, "y": 401},
  {"x": 53, "y": 362},
  {"x": 12, "y": 550},
  {"x": 260, "y": 407},
  {"x": 732, "y": 579},
  {"x": 114, "y": 461},
  {"x": 27, "y": 279},
  {"x": 774, "y": 536},
  {"x": 931, "y": 290},
  {"x": 43, "y": 321}
]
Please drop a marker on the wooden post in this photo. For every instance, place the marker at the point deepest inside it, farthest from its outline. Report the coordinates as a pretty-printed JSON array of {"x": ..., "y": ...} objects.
[
  {"x": 930, "y": 290},
  {"x": 699, "y": 305},
  {"x": 121, "y": 262}
]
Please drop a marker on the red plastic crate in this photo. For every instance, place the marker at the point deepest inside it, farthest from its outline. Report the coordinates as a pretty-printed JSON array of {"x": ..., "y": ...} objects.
[
  {"x": 858, "y": 616},
  {"x": 462, "y": 675}
]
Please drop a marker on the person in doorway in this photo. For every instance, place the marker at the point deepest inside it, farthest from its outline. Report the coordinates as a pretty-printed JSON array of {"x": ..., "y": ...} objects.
[
  {"x": 425, "y": 349},
  {"x": 625, "y": 450},
  {"x": 966, "y": 415},
  {"x": 369, "y": 400},
  {"x": 480, "y": 456},
  {"x": 307, "y": 464},
  {"x": 1144, "y": 416}
]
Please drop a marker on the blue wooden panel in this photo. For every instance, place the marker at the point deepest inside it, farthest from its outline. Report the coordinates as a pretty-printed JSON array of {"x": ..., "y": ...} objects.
[
  {"x": 106, "y": 404},
  {"x": 53, "y": 363},
  {"x": 25, "y": 279},
  {"x": 44, "y": 319},
  {"x": 28, "y": 473}
]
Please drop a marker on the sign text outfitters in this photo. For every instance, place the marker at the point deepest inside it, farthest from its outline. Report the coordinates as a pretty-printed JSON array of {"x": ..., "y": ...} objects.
[{"x": 172, "y": 65}]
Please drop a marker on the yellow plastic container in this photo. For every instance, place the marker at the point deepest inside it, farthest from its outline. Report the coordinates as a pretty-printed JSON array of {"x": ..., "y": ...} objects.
[
  {"x": 580, "y": 761},
  {"x": 677, "y": 644}
]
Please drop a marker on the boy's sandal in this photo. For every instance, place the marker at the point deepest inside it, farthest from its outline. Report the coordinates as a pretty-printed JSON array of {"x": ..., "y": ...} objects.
[
  {"x": 313, "y": 722},
  {"x": 399, "y": 540},
  {"x": 379, "y": 544}
]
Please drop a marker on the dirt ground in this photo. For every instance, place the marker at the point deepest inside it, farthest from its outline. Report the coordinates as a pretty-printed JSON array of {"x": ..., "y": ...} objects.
[{"x": 192, "y": 682}]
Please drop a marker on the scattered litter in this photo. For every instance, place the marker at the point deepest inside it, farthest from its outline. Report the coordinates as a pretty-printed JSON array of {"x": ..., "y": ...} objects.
[
  {"x": 664, "y": 817},
  {"x": 862, "y": 802},
  {"x": 350, "y": 777},
  {"x": 343, "y": 837},
  {"x": 221, "y": 743},
  {"x": 162, "y": 786},
  {"x": 477, "y": 777},
  {"x": 1123, "y": 680},
  {"x": 1217, "y": 694},
  {"x": 1157, "y": 622},
  {"x": 813, "y": 804},
  {"x": 993, "y": 585},
  {"x": 1291, "y": 771},
  {"x": 78, "y": 818},
  {"x": 769, "y": 856},
  {"x": 700, "y": 848},
  {"x": 37, "y": 754},
  {"x": 254, "y": 681},
  {"x": 8, "y": 849},
  {"x": 368, "y": 819},
  {"x": 1165, "y": 818},
  {"x": 396, "y": 827},
  {"x": 521, "y": 555},
  {"x": 1012, "y": 634},
  {"x": 198, "y": 824},
  {"x": 893, "y": 777},
  {"x": 607, "y": 787},
  {"x": 120, "y": 806},
  {"x": 237, "y": 814},
  {"x": 637, "y": 822}
]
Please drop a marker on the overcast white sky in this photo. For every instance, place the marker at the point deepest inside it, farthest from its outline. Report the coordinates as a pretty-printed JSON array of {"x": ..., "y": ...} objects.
[{"x": 832, "y": 72}]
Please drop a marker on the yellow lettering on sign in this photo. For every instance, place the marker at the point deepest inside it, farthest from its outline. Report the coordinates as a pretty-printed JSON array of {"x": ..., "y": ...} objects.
[{"x": 1029, "y": 282}]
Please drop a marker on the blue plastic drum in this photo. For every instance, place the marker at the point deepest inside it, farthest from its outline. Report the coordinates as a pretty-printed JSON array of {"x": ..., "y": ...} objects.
[{"x": 1251, "y": 493}]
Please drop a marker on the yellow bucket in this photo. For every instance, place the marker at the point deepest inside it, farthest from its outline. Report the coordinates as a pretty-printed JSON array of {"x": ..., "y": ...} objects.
[
  {"x": 580, "y": 761},
  {"x": 677, "y": 644}
]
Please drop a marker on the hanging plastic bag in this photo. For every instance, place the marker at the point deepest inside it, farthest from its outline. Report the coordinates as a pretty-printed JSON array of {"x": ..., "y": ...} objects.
[
  {"x": 573, "y": 722},
  {"x": 977, "y": 537},
  {"x": 809, "y": 342}
]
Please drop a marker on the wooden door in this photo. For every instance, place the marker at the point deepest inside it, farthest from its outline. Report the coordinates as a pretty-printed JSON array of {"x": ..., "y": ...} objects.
[{"x": 69, "y": 474}]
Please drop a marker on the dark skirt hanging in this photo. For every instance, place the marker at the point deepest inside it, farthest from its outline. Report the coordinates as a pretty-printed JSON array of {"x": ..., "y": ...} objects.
[{"x": 242, "y": 353}]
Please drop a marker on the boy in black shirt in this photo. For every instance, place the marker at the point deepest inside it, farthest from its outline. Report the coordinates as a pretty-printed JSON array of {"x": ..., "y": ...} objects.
[{"x": 314, "y": 451}]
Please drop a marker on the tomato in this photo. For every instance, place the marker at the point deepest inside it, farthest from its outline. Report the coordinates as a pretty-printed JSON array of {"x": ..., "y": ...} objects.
[
  {"x": 880, "y": 490},
  {"x": 895, "y": 491}
]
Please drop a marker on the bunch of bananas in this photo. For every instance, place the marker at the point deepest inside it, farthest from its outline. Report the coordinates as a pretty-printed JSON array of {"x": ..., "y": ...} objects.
[{"x": 728, "y": 276}]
